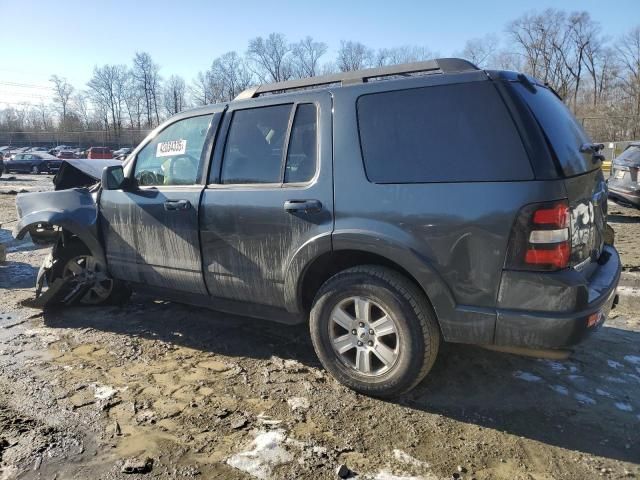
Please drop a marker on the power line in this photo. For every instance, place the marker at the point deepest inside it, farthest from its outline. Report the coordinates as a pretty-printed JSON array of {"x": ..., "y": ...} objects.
[{"x": 25, "y": 85}]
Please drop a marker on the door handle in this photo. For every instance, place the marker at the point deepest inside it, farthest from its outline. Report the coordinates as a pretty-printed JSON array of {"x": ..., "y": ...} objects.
[
  {"x": 177, "y": 205},
  {"x": 307, "y": 206}
]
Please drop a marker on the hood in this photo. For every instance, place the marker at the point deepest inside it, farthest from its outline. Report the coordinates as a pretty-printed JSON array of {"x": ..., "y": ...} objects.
[{"x": 81, "y": 172}]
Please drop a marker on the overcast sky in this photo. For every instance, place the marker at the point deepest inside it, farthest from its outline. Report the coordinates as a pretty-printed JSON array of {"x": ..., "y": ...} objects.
[{"x": 68, "y": 38}]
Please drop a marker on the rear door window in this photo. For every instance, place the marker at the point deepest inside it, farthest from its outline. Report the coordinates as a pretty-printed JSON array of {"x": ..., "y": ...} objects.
[
  {"x": 446, "y": 133},
  {"x": 564, "y": 133},
  {"x": 255, "y": 142}
]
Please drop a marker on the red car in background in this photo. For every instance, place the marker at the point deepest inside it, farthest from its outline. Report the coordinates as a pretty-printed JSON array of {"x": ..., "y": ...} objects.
[{"x": 102, "y": 153}]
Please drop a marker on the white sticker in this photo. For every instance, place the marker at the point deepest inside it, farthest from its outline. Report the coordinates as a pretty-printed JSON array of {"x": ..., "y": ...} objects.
[{"x": 170, "y": 148}]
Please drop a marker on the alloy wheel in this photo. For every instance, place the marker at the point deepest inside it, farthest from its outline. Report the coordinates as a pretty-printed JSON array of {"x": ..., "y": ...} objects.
[{"x": 364, "y": 336}]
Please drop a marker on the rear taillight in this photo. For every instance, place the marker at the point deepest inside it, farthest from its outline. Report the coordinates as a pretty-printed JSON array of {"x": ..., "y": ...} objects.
[{"x": 540, "y": 238}]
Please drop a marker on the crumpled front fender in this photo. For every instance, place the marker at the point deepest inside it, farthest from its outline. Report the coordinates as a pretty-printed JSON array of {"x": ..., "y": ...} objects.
[{"x": 73, "y": 210}]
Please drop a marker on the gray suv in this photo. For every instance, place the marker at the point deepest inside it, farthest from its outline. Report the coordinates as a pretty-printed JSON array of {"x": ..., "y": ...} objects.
[{"x": 390, "y": 208}]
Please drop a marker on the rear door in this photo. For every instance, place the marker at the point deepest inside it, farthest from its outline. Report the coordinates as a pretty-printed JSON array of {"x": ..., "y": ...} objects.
[
  {"x": 270, "y": 195},
  {"x": 151, "y": 232},
  {"x": 579, "y": 164}
]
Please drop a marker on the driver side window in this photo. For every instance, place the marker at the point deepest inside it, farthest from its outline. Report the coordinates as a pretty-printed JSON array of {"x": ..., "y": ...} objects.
[{"x": 173, "y": 157}]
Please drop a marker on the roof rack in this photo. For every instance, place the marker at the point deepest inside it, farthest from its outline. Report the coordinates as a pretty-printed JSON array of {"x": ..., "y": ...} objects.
[{"x": 439, "y": 65}]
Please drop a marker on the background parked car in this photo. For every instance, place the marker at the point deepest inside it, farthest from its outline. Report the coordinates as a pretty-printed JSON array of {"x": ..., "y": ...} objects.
[
  {"x": 99, "y": 152},
  {"x": 65, "y": 154},
  {"x": 32, "y": 163},
  {"x": 624, "y": 185}
]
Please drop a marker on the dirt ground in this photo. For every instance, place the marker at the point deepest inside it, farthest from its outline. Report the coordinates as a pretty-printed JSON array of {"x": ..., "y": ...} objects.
[{"x": 83, "y": 391}]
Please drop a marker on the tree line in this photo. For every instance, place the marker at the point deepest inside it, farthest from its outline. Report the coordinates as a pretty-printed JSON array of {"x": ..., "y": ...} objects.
[{"x": 598, "y": 76}]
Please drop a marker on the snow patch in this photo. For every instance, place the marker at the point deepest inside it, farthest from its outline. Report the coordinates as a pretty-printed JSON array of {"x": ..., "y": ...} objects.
[
  {"x": 299, "y": 404},
  {"x": 526, "y": 376},
  {"x": 387, "y": 475},
  {"x": 265, "y": 453},
  {"x": 404, "y": 457},
  {"x": 103, "y": 392},
  {"x": 559, "y": 389}
]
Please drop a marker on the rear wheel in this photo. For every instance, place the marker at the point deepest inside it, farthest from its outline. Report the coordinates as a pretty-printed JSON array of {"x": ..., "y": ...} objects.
[
  {"x": 374, "y": 330},
  {"x": 75, "y": 260}
]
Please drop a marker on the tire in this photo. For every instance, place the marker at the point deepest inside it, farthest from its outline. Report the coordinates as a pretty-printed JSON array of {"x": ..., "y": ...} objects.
[
  {"x": 390, "y": 295},
  {"x": 76, "y": 251}
]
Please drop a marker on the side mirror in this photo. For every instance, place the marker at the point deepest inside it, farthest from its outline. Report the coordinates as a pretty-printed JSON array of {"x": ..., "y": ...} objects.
[{"x": 113, "y": 177}]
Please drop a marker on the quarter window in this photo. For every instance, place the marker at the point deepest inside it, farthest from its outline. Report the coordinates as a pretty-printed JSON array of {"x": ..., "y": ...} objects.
[
  {"x": 450, "y": 133},
  {"x": 254, "y": 149},
  {"x": 174, "y": 156}
]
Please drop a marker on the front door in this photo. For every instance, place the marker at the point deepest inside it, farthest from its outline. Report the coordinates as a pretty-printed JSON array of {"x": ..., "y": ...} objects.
[
  {"x": 270, "y": 194},
  {"x": 151, "y": 231}
]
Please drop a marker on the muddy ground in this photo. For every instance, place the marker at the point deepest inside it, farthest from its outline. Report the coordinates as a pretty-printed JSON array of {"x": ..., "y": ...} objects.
[{"x": 200, "y": 393}]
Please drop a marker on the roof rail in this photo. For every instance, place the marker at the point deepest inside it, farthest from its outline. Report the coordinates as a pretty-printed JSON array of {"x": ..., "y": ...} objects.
[{"x": 440, "y": 65}]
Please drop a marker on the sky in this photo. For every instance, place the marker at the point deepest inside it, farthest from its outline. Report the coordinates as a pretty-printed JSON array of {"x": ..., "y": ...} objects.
[{"x": 68, "y": 38}]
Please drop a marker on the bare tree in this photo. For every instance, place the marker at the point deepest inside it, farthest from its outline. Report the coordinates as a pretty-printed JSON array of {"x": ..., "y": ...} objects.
[
  {"x": 45, "y": 115},
  {"x": 270, "y": 57},
  {"x": 403, "y": 54},
  {"x": 306, "y": 57},
  {"x": 62, "y": 91},
  {"x": 481, "y": 51},
  {"x": 201, "y": 89},
  {"x": 353, "y": 56},
  {"x": 80, "y": 104},
  {"x": 229, "y": 76},
  {"x": 147, "y": 78},
  {"x": 108, "y": 89},
  {"x": 175, "y": 95},
  {"x": 544, "y": 40},
  {"x": 628, "y": 48}
]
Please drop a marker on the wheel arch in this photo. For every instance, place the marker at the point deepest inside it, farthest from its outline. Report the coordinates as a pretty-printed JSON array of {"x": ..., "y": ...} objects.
[{"x": 371, "y": 251}]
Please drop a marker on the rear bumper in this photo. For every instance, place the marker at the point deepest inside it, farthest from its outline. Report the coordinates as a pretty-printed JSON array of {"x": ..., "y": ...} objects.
[
  {"x": 555, "y": 310},
  {"x": 630, "y": 196}
]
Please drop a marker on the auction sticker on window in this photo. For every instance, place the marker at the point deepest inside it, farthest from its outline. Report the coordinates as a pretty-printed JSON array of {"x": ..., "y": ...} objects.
[{"x": 170, "y": 148}]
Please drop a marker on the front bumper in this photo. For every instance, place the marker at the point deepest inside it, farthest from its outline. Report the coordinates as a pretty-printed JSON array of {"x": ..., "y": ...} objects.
[{"x": 556, "y": 310}]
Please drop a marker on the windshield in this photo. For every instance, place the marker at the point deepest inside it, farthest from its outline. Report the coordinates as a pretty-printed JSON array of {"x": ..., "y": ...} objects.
[
  {"x": 563, "y": 131},
  {"x": 630, "y": 155}
]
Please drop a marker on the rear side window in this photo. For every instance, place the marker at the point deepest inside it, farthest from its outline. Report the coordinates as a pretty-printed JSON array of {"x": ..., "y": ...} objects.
[
  {"x": 564, "y": 133},
  {"x": 447, "y": 133},
  {"x": 254, "y": 149}
]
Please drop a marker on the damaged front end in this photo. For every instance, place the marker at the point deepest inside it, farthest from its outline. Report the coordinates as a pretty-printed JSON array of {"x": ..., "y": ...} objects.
[{"x": 68, "y": 220}]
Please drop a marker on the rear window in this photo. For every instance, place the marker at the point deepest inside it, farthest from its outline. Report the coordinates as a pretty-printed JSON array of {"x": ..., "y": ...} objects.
[
  {"x": 564, "y": 133},
  {"x": 447, "y": 133}
]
